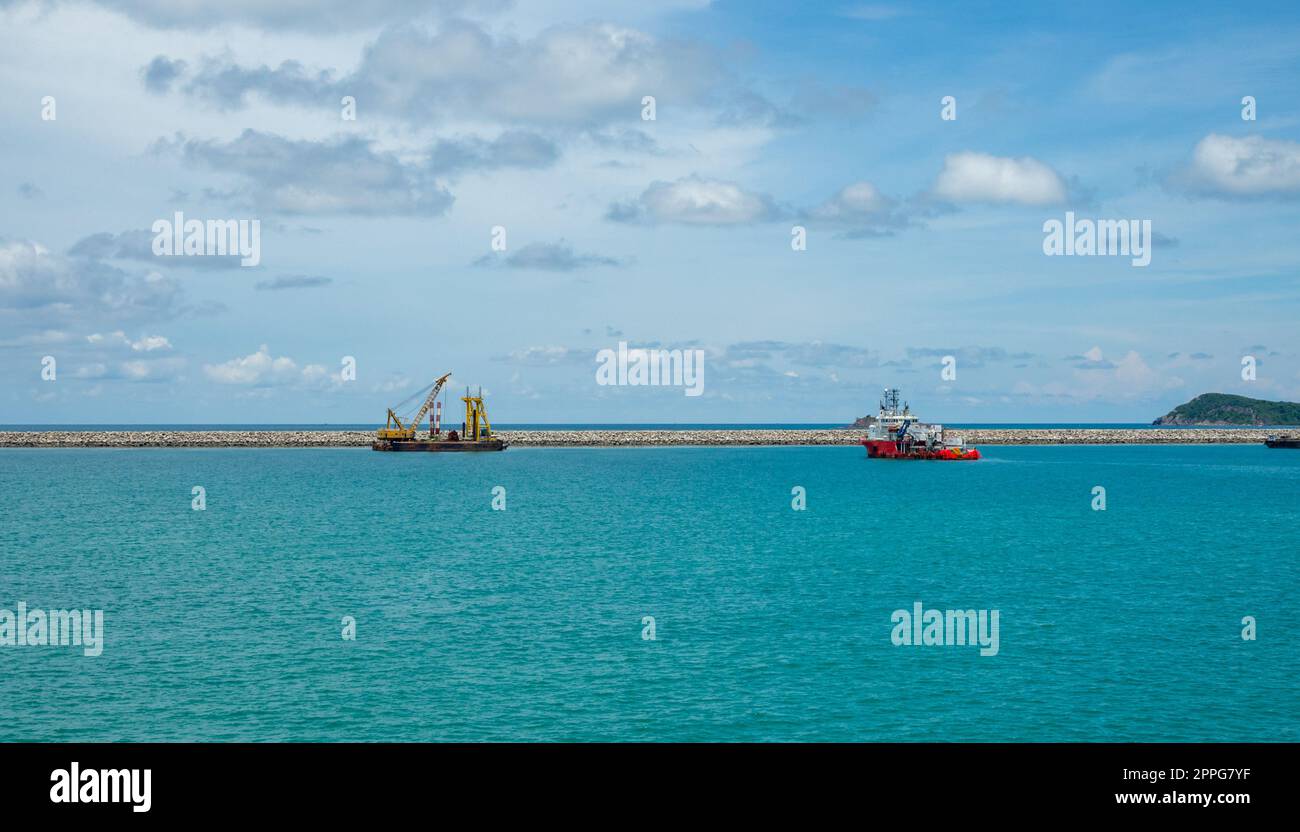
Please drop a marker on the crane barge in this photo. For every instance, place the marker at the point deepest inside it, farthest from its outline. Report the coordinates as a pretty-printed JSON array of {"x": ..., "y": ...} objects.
[{"x": 400, "y": 434}]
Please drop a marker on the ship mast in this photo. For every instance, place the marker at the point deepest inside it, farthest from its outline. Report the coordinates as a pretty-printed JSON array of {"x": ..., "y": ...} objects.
[{"x": 889, "y": 404}]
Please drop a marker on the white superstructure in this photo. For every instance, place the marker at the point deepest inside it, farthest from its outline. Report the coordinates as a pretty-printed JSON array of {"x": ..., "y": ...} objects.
[{"x": 893, "y": 420}]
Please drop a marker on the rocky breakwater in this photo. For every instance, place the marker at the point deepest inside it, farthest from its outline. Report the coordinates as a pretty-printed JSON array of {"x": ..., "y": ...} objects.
[
  {"x": 186, "y": 439},
  {"x": 851, "y": 436},
  {"x": 625, "y": 438},
  {"x": 684, "y": 436},
  {"x": 353, "y": 438},
  {"x": 1112, "y": 436}
]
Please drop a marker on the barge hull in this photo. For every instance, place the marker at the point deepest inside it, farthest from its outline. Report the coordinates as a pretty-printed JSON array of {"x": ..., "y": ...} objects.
[{"x": 441, "y": 445}]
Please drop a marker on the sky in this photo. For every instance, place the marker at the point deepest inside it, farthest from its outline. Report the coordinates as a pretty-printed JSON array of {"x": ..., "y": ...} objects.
[{"x": 917, "y": 149}]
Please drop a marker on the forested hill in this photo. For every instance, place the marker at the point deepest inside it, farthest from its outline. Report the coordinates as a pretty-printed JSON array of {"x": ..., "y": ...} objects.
[{"x": 1227, "y": 409}]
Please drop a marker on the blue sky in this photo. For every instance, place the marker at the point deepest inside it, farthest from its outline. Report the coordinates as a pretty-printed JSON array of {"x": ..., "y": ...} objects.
[{"x": 924, "y": 235}]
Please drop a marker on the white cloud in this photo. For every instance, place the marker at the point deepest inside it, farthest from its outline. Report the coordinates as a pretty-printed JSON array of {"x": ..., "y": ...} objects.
[
  {"x": 694, "y": 200},
  {"x": 1129, "y": 378},
  {"x": 44, "y": 286},
  {"x": 1133, "y": 377},
  {"x": 861, "y": 199},
  {"x": 262, "y": 370},
  {"x": 93, "y": 370},
  {"x": 549, "y": 355},
  {"x": 566, "y": 75},
  {"x": 554, "y": 257},
  {"x": 860, "y": 209},
  {"x": 344, "y": 174},
  {"x": 392, "y": 384},
  {"x": 308, "y": 15},
  {"x": 979, "y": 177},
  {"x": 49, "y": 337},
  {"x": 146, "y": 343},
  {"x": 1243, "y": 167},
  {"x": 155, "y": 370},
  {"x": 138, "y": 370},
  {"x": 149, "y": 343}
]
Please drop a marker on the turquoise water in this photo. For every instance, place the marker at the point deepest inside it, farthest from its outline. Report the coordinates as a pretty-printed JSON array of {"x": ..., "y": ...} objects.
[{"x": 771, "y": 624}]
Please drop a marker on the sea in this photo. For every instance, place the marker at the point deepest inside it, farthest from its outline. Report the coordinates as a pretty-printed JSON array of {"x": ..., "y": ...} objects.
[{"x": 1141, "y": 593}]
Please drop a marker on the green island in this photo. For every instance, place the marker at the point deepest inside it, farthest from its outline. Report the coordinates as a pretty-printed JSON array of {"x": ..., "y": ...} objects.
[{"x": 1228, "y": 409}]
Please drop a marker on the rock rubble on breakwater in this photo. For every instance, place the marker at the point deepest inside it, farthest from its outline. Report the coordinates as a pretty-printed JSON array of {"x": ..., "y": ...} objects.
[{"x": 622, "y": 438}]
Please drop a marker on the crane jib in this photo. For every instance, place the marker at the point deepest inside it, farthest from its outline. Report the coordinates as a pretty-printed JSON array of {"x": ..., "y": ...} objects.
[
  {"x": 411, "y": 425},
  {"x": 428, "y": 403}
]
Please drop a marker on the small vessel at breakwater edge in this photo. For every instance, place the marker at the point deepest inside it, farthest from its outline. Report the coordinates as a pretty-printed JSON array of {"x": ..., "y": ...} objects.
[
  {"x": 897, "y": 434},
  {"x": 1282, "y": 442}
]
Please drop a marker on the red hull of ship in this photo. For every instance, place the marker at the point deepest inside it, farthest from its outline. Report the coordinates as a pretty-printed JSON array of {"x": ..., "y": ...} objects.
[{"x": 884, "y": 449}]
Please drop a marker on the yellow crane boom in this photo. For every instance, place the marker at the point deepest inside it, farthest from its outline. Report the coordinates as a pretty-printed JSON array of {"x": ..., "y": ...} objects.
[{"x": 394, "y": 429}]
